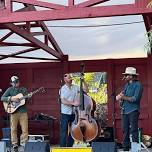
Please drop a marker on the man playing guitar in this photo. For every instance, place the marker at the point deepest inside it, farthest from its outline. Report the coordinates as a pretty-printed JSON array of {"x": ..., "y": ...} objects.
[{"x": 20, "y": 115}]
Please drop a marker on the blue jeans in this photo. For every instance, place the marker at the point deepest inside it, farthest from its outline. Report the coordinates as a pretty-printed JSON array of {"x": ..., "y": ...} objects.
[
  {"x": 130, "y": 126},
  {"x": 65, "y": 137}
]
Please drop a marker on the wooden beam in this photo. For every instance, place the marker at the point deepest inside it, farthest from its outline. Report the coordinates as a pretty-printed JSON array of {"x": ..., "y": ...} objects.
[
  {"x": 142, "y": 3},
  {"x": 3, "y": 27},
  {"x": 91, "y": 3},
  {"x": 38, "y": 33},
  {"x": 22, "y": 9},
  {"x": 148, "y": 22},
  {"x": 76, "y": 13},
  {"x": 70, "y": 2},
  {"x": 8, "y": 5},
  {"x": 26, "y": 57},
  {"x": 6, "y": 36},
  {"x": 50, "y": 37},
  {"x": 17, "y": 53},
  {"x": 4, "y": 12},
  {"x": 23, "y": 33},
  {"x": 2, "y": 4},
  {"x": 16, "y": 44},
  {"x": 41, "y": 4}
]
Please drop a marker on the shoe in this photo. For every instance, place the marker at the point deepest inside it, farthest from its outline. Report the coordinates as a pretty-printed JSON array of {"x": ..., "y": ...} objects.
[
  {"x": 126, "y": 149},
  {"x": 14, "y": 148},
  {"x": 21, "y": 148}
]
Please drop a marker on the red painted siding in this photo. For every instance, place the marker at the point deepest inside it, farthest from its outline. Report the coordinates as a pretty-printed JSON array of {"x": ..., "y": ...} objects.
[{"x": 49, "y": 75}]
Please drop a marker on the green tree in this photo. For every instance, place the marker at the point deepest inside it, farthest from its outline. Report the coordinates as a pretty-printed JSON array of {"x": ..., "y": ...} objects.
[
  {"x": 148, "y": 45},
  {"x": 96, "y": 90}
]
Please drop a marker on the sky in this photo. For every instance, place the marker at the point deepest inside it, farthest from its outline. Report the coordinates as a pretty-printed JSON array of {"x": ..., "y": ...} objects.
[{"x": 86, "y": 43}]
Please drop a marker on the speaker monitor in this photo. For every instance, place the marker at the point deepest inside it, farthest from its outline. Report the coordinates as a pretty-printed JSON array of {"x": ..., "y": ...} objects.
[
  {"x": 2, "y": 146},
  {"x": 106, "y": 136},
  {"x": 104, "y": 147},
  {"x": 6, "y": 133},
  {"x": 37, "y": 147}
]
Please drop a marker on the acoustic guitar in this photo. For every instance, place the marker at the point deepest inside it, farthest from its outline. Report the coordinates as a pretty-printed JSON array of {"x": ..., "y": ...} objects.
[{"x": 12, "y": 106}]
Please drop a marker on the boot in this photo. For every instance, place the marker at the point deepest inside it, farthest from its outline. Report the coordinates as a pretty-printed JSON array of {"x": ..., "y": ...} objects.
[{"x": 14, "y": 148}]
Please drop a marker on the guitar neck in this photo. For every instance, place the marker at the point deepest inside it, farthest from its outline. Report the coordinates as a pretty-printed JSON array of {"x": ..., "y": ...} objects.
[
  {"x": 34, "y": 92},
  {"x": 24, "y": 97}
]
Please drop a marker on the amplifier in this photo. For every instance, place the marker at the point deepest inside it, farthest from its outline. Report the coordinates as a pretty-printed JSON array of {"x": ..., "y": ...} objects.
[
  {"x": 104, "y": 147},
  {"x": 37, "y": 147},
  {"x": 2, "y": 146}
]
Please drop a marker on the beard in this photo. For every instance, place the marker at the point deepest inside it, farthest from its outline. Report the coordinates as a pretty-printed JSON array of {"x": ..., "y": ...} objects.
[{"x": 70, "y": 81}]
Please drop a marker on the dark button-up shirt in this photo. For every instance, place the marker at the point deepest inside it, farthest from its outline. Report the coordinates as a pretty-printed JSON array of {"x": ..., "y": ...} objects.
[{"x": 134, "y": 90}]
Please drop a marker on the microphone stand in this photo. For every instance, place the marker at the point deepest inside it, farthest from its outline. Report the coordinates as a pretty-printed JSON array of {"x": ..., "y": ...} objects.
[{"x": 113, "y": 96}]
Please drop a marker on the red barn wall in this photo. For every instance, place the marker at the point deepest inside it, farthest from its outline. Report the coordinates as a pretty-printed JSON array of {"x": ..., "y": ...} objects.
[{"x": 49, "y": 75}]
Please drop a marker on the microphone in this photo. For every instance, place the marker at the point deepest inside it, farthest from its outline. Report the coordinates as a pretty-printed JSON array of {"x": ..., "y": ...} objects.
[{"x": 123, "y": 78}]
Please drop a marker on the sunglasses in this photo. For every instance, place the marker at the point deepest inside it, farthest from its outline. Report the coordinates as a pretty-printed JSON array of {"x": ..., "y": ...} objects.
[
  {"x": 65, "y": 75},
  {"x": 70, "y": 77}
]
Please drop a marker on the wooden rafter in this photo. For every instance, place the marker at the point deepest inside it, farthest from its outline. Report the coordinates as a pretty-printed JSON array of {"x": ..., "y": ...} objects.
[
  {"x": 25, "y": 57},
  {"x": 16, "y": 44},
  {"x": 76, "y": 13},
  {"x": 6, "y": 36},
  {"x": 41, "y": 4},
  {"x": 70, "y": 2},
  {"x": 148, "y": 21},
  {"x": 50, "y": 37},
  {"x": 91, "y": 3},
  {"x": 60, "y": 12},
  {"x": 24, "y": 30},
  {"x": 45, "y": 29},
  {"x": 17, "y": 53},
  {"x": 23, "y": 25},
  {"x": 26, "y": 35}
]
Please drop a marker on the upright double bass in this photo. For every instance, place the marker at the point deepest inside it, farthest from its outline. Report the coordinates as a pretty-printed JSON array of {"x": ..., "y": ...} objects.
[{"x": 84, "y": 127}]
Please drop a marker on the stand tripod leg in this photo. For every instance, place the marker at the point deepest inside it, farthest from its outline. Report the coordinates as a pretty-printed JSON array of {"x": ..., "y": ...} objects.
[
  {"x": 140, "y": 141},
  {"x": 142, "y": 144}
]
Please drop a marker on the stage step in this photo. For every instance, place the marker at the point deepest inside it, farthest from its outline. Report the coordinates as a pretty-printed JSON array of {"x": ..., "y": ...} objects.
[{"x": 77, "y": 149}]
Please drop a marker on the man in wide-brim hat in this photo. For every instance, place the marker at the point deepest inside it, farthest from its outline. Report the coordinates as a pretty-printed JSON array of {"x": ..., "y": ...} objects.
[{"x": 130, "y": 98}]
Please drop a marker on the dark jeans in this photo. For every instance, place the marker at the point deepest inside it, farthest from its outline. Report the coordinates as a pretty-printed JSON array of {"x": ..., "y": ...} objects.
[
  {"x": 65, "y": 137},
  {"x": 130, "y": 126}
]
